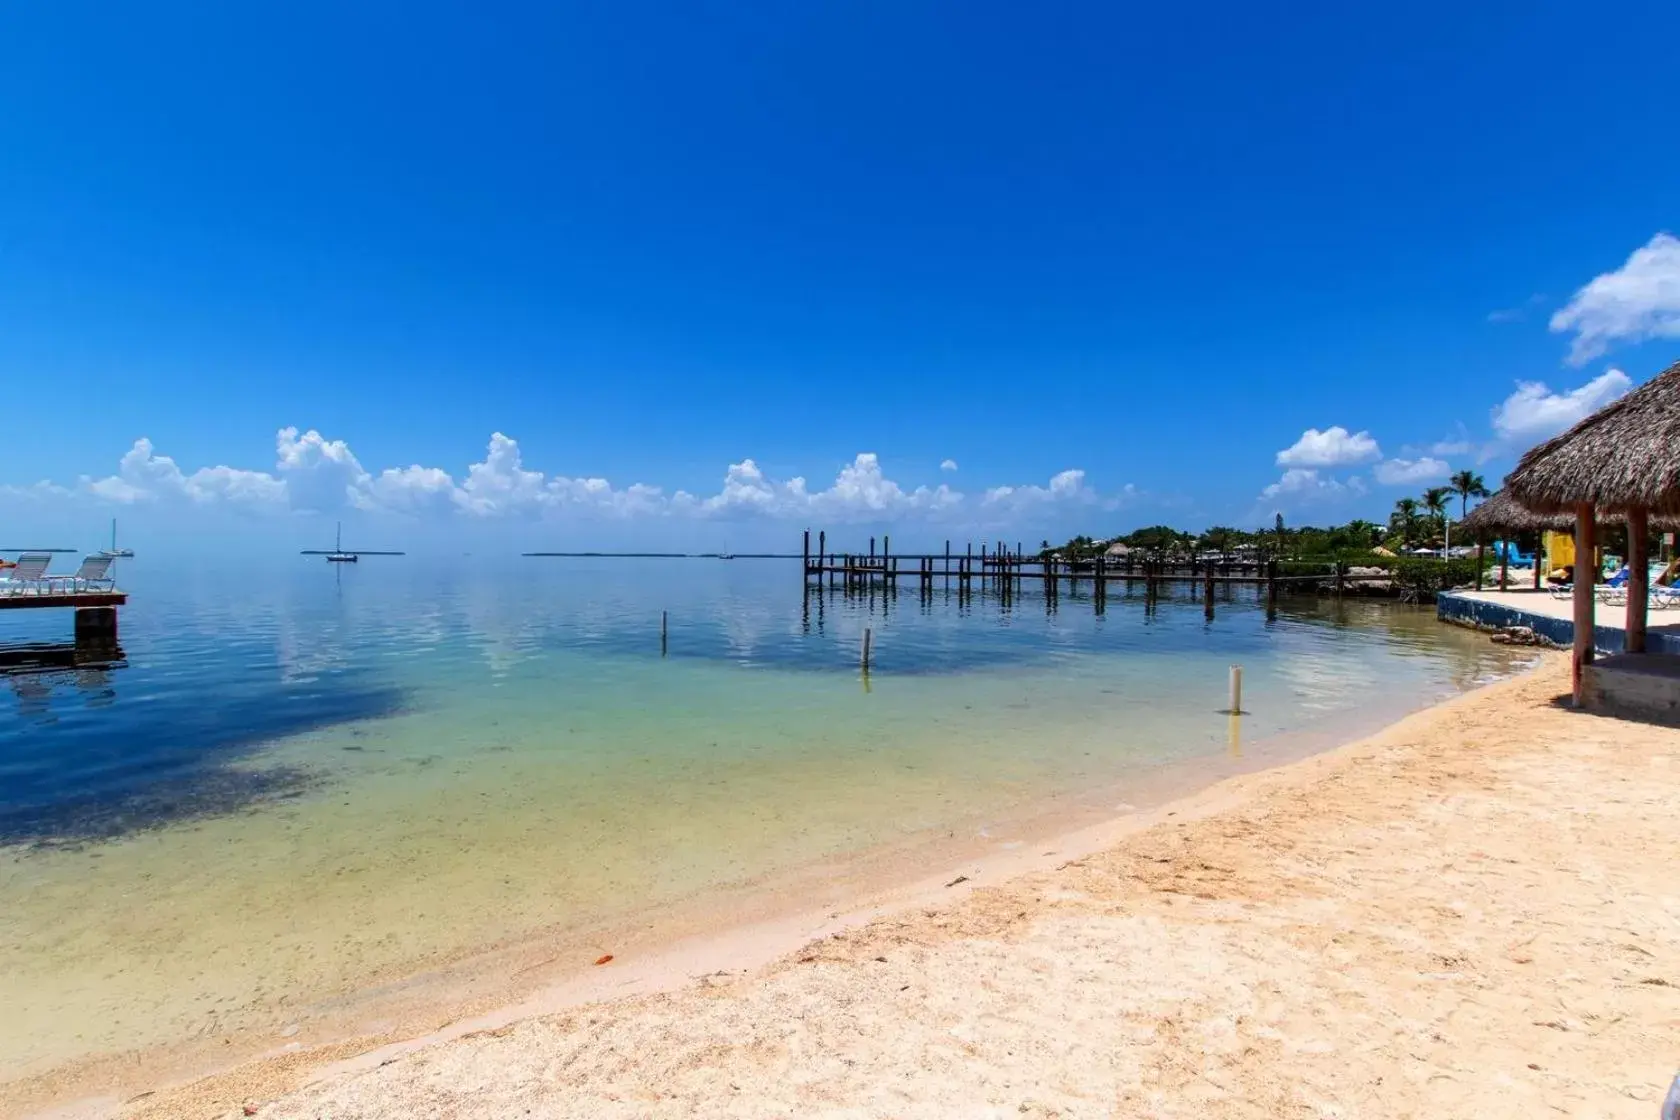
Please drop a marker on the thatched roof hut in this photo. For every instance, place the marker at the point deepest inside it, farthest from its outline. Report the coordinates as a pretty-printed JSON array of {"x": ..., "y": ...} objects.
[
  {"x": 1502, "y": 513},
  {"x": 1624, "y": 456}
]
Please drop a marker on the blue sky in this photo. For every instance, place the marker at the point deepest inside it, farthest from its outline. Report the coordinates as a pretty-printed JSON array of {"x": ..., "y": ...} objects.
[{"x": 1113, "y": 264}]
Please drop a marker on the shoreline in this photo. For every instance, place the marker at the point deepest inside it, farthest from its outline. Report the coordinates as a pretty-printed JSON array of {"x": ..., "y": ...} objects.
[{"x": 754, "y": 941}]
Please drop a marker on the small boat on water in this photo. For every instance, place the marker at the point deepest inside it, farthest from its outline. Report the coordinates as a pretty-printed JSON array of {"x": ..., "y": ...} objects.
[
  {"x": 114, "y": 552},
  {"x": 340, "y": 555}
]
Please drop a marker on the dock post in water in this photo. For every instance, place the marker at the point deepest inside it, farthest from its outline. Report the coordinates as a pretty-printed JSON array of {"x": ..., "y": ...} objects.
[
  {"x": 664, "y": 622},
  {"x": 96, "y": 625},
  {"x": 868, "y": 635},
  {"x": 1236, "y": 691}
]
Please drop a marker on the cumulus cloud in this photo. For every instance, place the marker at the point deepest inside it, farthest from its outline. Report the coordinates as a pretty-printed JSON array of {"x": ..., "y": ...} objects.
[
  {"x": 1534, "y": 412},
  {"x": 1300, "y": 481},
  {"x": 145, "y": 476},
  {"x": 1639, "y": 301},
  {"x": 1333, "y": 447},
  {"x": 1409, "y": 472},
  {"x": 317, "y": 474},
  {"x": 948, "y": 465},
  {"x": 1068, "y": 486},
  {"x": 860, "y": 490}
]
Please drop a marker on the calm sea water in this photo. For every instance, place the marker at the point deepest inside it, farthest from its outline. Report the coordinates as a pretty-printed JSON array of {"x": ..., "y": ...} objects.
[{"x": 305, "y": 777}]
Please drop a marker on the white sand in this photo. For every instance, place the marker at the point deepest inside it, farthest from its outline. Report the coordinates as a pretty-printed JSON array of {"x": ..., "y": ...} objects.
[{"x": 1475, "y": 913}]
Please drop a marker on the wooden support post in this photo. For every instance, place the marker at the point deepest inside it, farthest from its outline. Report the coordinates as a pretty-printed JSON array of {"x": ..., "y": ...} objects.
[
  {"x": 872, "y": 549},
  {"x": 664, "y": 623},
  {"x": 1479, "y": 563},
  {"x": 868, "y": 635},
  {"x": 1505, "y": 565},
  {"x": 1586, "y": 577},
  {"x": 807, "y": 554},
  {"x": 947, "y": 565},
  {"x": 1639, "y": 578},
  {"x": 1207, "y": 593},
  {"x": 96, "y": 626},
  {"x": 1341, "y": 572},
  {"x": 1271, "y": 586},
  {"x": 1537, "y": 564}
]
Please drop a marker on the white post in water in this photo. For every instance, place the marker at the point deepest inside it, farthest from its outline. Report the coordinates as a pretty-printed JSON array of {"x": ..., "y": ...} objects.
[
  {"x": 867, "y": 635},
  {"x": 1236, "y": 690}
]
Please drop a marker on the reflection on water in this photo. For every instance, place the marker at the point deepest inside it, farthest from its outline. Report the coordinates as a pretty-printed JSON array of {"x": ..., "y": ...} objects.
[{"x": 298, "y": 780}]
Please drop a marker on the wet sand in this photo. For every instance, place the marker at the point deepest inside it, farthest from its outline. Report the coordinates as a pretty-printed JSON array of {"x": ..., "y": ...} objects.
[{"x": 1471, "y": 913}]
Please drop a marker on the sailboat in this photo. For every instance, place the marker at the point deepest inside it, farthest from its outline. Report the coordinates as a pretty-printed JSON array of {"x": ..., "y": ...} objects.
[
  {"x": 339, "y": 556},
  {"x": 114, "y": 552}
]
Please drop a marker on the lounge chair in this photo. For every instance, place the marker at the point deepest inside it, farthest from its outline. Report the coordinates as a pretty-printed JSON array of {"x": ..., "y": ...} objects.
[
  {"x": 28, "y": 576},
  {"x": 94, "y": 572},
  {"x": 1614, "y": 589}
]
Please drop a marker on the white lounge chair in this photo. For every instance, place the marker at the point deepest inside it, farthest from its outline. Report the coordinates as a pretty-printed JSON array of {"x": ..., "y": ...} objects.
[
  {"x": 28, "y": 577},
  {"x": 94, "y": 572}
]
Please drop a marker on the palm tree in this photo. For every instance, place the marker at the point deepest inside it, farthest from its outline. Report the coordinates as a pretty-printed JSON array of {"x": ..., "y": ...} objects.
[
  {"x": 1363, "y": 533},
  {"x": 1435, "y": 501},
  {"x": 1404, "y": 520},
  {"x": 1467, "y": 485}
]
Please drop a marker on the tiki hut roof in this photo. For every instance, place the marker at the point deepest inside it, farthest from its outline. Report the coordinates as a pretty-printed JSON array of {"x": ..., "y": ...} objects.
[
  {"x": 1624, "y": 456},
  {"x": 1501, "y": 513}
]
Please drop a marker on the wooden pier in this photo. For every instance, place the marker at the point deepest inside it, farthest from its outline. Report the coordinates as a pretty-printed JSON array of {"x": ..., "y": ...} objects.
[
  {"x": 1008, "y": 571},
  {"x": 96, "y": 611}
]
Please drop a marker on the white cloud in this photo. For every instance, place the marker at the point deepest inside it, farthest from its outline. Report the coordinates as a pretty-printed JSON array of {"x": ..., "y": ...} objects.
[
  {"x": 41, "y": 491},
  {"x": 1451, "y": 447},
  {"x": 1299, "y": 481},
  {"x": 1333, "y": 447},
  {"x": 1068, "y": 486},
  {"x": 860, "y": 490},
  {"x": 1408, "y": 472},
  {"x": 1534, "y": 412},
  {"x": 1640, "y": 300},
  {"x": 145, "y": 476},
  {"x": 948, "y": 465},
  {"x": 413, "y": 490},
  {"x": 318, "y": 474}
]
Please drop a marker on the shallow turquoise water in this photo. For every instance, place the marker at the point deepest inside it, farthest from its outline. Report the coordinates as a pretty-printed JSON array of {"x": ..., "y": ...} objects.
[{"x": 306, "y": 778}]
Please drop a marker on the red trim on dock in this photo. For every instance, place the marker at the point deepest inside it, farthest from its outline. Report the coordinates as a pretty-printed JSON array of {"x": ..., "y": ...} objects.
[{"x": 64, "y": 599}]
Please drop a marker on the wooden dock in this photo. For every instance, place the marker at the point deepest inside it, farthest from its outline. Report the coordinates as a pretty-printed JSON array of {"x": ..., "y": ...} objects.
[
  {"x": 997, "y": 568},
  {"x": 96, "y": 611}
]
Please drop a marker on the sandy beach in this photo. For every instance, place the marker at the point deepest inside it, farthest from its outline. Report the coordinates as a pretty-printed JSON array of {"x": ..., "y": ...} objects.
[{"x": 1472, "y": 913}]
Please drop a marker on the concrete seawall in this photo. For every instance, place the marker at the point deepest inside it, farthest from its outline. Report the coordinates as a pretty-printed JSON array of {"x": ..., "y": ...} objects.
[{"x": 1550, "y": 618}]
